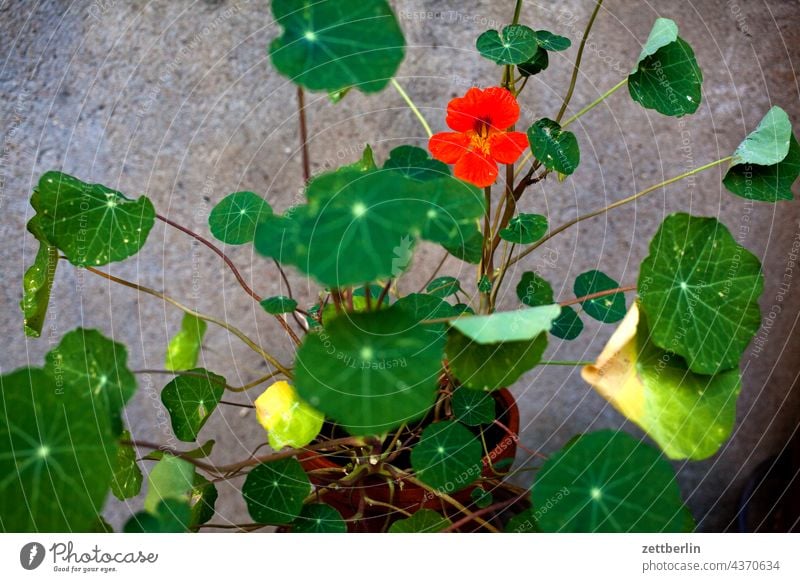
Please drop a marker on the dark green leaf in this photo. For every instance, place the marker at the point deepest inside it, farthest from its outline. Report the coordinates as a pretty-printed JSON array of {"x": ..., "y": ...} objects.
[
  {"x": 203, "y": 498},
  {"x": 609, "y": 308},
  {"x": 279, "y": 304},
  {"x": 91, "y": 224},
  {"x": 366, "y": 163},
  {"x": 557, "y": 149},
  {"x": 184, "y": 348},
  {"x": 170, "y": 516},
  {"x": 274, "y": 492},
  {"x": 525, "y": 229},
  {"x": 767, "y": 163},
  {"x": 492, "y": 366},
  {"x": 38, "y": 281},
  {"x": 524, "y": 522},
  {"x": 170, "y": 478},
  {"x": 533, "y": 290},
  {"x": 372, "y": 371},
  {"x": 469, "y": 249},
  {"x": 538, "y": 63},
  {"x": 415, "y": 163},
  {"x": 57, "y": 455},
  {"x": 235, "y": 219},
  {"x": 608, "y": 481},
  {"x": 472, "y": 407},
  {"x": 93, "y": 368},
  {"x": 330, "y": 45},
  {"x": 319, "y": 518},
  {"x": 666, "y": 77},
  {"x": 484, "y": 284},
  {"x": 507, "y": 326},
  {"x": 190, "y": 400},
  {"x": 516, "y": 45},
  {"x": 481, "y": 498},
  {"x": 422, "y": 521},
  {"x": 567, "y": 325},
  {"x": 552, "y": 42},
  {"x": 442, "y": 287},
  {"x": 421, "y": 307},
  {"x": 448, "y": 457},
  {"x": 700, "y": 290},
  {"x": 127, "y": 480}
]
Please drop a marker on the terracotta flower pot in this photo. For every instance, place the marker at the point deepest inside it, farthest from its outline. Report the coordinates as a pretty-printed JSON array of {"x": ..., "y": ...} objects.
[{"x": 370, "y": 493}]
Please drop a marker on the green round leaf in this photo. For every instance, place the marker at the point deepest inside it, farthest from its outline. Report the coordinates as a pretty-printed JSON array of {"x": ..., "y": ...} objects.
[
  {"x": 552, "y": 42},
  {"x": 415, "y": 163},
  {"x": 184, "y": 348},
  {"x": 507, "y": 326},
  {"x": 57, "y": 456},
  {"x": 607, "y": 481},
  {"x": 609, "y": 308},
  {"x": 235, "y": 219},
  {"x": 91, "y": 224},
  {"x": 442, "y": 287},
  {"x": 203, "y": 498},
  {"x": 279, "y": 304},
  {"x": 330, "y": 45},
  {"x": 171, "y": 516},
  {"x": 469, "y": 249},
  {"x": 422, "y": 521},
  {"x": 420, "y": 307},
  {"x": 473, "y": 407},
  {"x": 481, "y": 498},
  {"x": 371, "y": 372},
  {"x": 538, "y": 63},
  {"x": 484, "y": 284},
  {"x": 127, "y": 480},
  {"x": 190, "y": 400},
  {"x": 448, "y": 457},
  {"x": 516, "y": 45},
  {"x": 319, "y": 518},
  {"x": 38, "y": 281},
  {"x": 767, "y": 163},
  {"x": 92, "y": 367},
  {"x": 557, "y": 149},
  {"x": 274, "y": 492},
  {"x": 170, "y": 478},
  {"x": 533, "y": 290},
  {"x": 666, "y": 77},
  {"x": 492, "y": 366},
  {"x": 700, "y": 290},
  {"x": 567, "y": 325},
  {"x": 525, "y": 229}
]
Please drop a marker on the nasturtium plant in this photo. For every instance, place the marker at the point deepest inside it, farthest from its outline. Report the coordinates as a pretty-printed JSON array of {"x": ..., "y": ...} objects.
[
  {"x": 689, "y": 415},
  {"x": 183, "y": 349},
  {"x": 525, "y": 228},
  {"x": 447, "y": 457},
  {"x": 190, "y": 400},
  {"x": 608, "y": 308},
  {"x": 666, "y": 76},
  {"x": 91, "y": 224},
  {"x": 331, "y": 45},
  {"x": 556, "y": 148},
  {"x": 388, "y": 409},
  {"x": 275, "y": 491},
  {"x": 767, "y": 163},
  {"x": 699, "y": 289},
  {"x": 608, "y": 482},
  {"x": 235, "y": 219}
]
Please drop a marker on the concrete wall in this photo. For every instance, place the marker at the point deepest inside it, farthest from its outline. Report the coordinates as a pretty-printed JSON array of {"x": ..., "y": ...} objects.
[{"x": 177, "y": 100}]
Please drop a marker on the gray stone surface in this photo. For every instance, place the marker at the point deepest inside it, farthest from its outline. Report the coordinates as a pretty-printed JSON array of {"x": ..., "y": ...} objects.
[{"x": 177, "y": 100}]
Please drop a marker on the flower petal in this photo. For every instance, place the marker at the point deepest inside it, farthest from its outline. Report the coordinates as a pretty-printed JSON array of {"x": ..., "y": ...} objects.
[
  {"x": 464, "y": 113},
  {"x": 475, "y": 168},
  {"x": 507, "y": 147},
  {"x": 448, "y": 147},
  {"x": 502, "y": 109}
]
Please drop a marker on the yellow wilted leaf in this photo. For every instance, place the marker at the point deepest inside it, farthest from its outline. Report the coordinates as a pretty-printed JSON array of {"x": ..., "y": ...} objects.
[{"x": 289, "y": 420}]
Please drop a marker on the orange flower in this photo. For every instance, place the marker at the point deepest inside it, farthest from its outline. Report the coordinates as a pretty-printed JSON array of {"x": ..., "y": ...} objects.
[{"x": 479, "y": 140}]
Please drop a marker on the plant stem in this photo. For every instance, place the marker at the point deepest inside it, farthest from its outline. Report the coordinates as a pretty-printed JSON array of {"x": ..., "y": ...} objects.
[
  {"x": 572, "y": 363},
  {"x": 235, "y": 271},
  {"x": 597, "y": 295},
  {"x": 301, "y": 114},
  {"x": 517, "y": 11},
  {"x": 234, "y": 330},
  {"x": 617, "y": 204},
  {"x": 413, "y": 107},
  {"x": 578, "y": 59},
  {"x": 596, "y": 102},
  {"x": 485, "y": 511},
  {"x": 286, "y": 453},
  {"x": 244, "y": 388}
]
